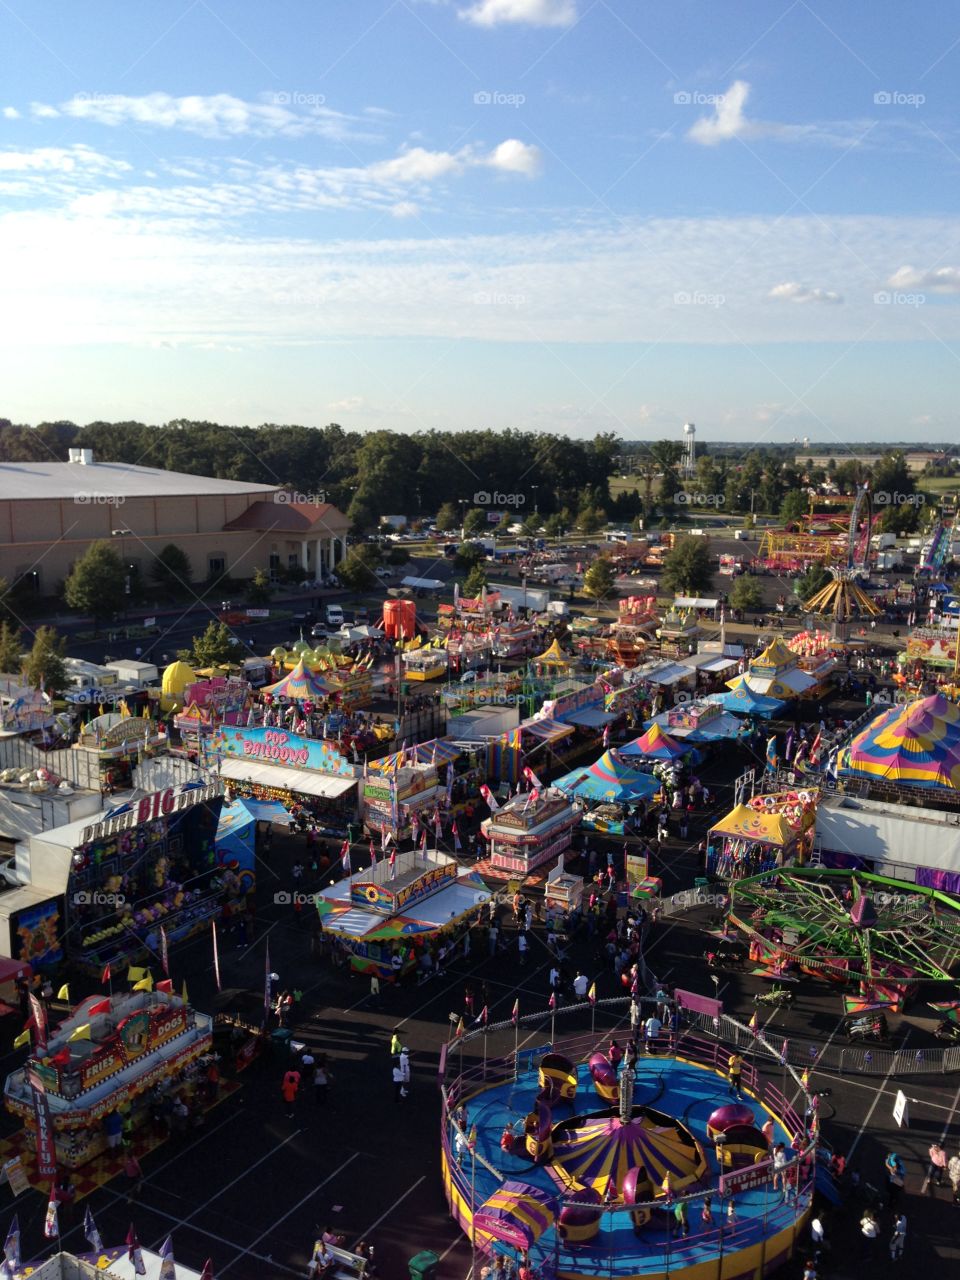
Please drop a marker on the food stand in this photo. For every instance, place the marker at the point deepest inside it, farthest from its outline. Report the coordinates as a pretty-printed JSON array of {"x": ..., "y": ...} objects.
[
  {"x": 106, "y": 1056},
  {"x": 425, "y": 664},
  {"x": 528, "y": 831},
  {"x": 766, "y": 832},
  {"x": 563, "y": 890},
  {"x": 390, "y": 801}
]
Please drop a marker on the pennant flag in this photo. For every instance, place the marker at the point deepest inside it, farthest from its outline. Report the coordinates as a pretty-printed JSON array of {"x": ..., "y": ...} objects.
[
  {"x": 552, "y": 1002},
  {"x": 345, "y": 857},
  {"x": 460, "y": 1029},
  {"x": 51, "y": 1223},
  {"x": 216, "y": 955},
  {"x": 754, "y": 1024},
  {"x": 91, "y": 1232},
  {"x": 423, "y": 843},
  {"x": 531, "y": 777},
  {"x": 102, "y": 1006},
  {"x": 592, "y": 993},
  {"x": 484, "y": 1016},
  {"x": 437, "y": 824},
  {"x": 164, "y": 951},
  {"x": 373, "y": 854},
  {"x": 606, "y": 736},
  {"x": 11, "y": 1246},
  {"x": 64, "y": 992},
  {"x": 166, "y": 986},
  {"x": 515, "y": 1012},
  {"x": 183, "y": 993},
  {"x": 168, "y": 1270},
  {"x": 490, "y": 798},
  {"x": 39, "y": 1018},
  {"x": 145, "y": 983},
  {"x": 134, "y": 1252},
  {"x": 772, "y": 757},
  {"x": 81, "y": 1033},
  {"x": 23, "y": 1038},
  {"x": 383, "y": 839},
  {"x": 134, "y": 973},
  {"x": 106, "y": 975},
  {"x": 207, "y": 1272},
  {"x": 392, "y": 863},
  {"x": 783, "y": 1053}
]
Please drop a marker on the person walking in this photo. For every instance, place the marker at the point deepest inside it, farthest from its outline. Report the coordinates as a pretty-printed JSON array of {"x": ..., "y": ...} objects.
[
  {"x": 398, "y": 1090},
  {"x": 734, "y": 1073},
  {"x": 395, "y": 1044},
  {"x": 651, "y": 1033},
  {"x": 938, "y": 1163},
  {"x": 896, "y": 1177},
  {"x": 321, "y": 1081},
  {"x": 289, "y": 1089},
  {"x": 682, "y": 1218},
  {"x": 869, "y": 1233},
  {"x": 404, "y": 1064},
  {"x": 522, "y": 948},
  {"x": 953, "y": 1173},
  {"x": 899, "y": 1238}
]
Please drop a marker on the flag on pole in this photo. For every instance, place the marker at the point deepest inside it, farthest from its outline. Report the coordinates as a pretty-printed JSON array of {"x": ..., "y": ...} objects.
[
  {"x": 134, "y": 1252},
  {"x": 783, "y": 1053},
  {"x": 460, "y": 1028},
  {"x": 772, "y": 758},
  {"x": 51, "y": 1223},
  {"x": 166, "y": 986},
  {"x": 449, "y": 783},
  {"x": 168, "y": 1269},
  {"x": 11, "y": 1246},
  {"x": 393, "y": 863},
  {"x": 606, "y": 736},
  {"x": 81, "y": 1033},
  {"x": 754, "y": 1023},
  {"x": 490, "y": 798},
  {"x": 456, "y": 837},
  {"x": 423, "y": 843},
  {"x": 515, "y": 1011},
  {"x": 484, "y": 1016},
  {"x": 145, "y": 983},
  {"x": 90, "y": 1231},
  {"x": 552, "y": 1002},
  {"x": 101, "y": 1006},
  {"x": 183, "y": 993},
  {"x": 135, "y": 973},
  {"x": 216, "y": 955},
  {"x": 39, "y": 1020},
  {"x": 105, "y": 976},
  {"x": 345, "y": 858},
  {"x": 373, "y": 854},
  {"x": 64, "y": 992},
  {"x": 207, "y": 1272},
  {"x": 592, "y": 993},
  {"x": 266, "y": 982},
  {"x": 24, "y": 1037},
  {"x": 383, "y": 839},
  {"x": 164, "y": 951}
]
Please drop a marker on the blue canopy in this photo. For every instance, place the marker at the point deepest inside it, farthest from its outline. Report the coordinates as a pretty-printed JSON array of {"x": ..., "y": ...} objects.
[
  {"x": 609, "y": 778},
  {"x": 268, "y": 811},
  {"x": 744, "y": 702},
  {"x": 721, "y": 728}
]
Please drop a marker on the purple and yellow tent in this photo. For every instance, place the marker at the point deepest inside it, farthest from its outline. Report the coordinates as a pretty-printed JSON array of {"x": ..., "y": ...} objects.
[
  {"x": 301, "y": 685},
  {"x": 517, "y": 1214},
  {"x": 917, "y": 744}
]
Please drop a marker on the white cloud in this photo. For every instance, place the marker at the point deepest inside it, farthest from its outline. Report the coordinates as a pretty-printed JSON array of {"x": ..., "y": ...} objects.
[
  {"x": 533, "y": 13},
  {"x": 513, "y": 156},
  {"x": 11, "y": 113},
  {"x": 793, "y": 291},
  {"x": 219, "y": 115},
  {"x": 415, "y": 165},
  {"x": 729, "y": 121},
  {"x": 937, "y": 280},
  {"x": 405, "y": 209},
  {"x": 61, "y": 160}
]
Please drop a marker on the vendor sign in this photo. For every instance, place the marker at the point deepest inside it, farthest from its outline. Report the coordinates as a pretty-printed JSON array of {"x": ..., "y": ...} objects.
[{"x": 290, "y": 750}]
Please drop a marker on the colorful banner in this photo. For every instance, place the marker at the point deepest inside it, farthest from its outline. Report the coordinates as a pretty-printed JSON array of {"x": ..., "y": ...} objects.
[
  {"x": 46, "y": 1150},
  {"x": 39, "y": 1016},
  {"x": 16, "y": 1175},
  {"x": 276, "y": 746}
]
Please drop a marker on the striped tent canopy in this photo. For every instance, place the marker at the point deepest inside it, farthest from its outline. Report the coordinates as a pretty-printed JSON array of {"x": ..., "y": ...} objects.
[
  {"x": 743, "y": 701},
  {"x": 609, "y": 778},
  {"x": 438, "y": 751},
  {"x": 655, "y": 743},
  {"x": 301, "y": 685},
  {"x": 917, "y": 744},
  {"x": 554, "y": 656},
  {"x": 596, "y": 1152},
  {"x": 517, "y": 1214}
]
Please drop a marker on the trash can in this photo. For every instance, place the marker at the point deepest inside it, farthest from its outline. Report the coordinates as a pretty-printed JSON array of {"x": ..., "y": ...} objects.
[
  {"x": 280, "y": 1042},
  {"x": 423, "y": 1266}
]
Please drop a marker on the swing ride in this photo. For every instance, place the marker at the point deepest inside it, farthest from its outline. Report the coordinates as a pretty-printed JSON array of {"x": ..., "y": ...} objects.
[{"x": 842, "y": 598}]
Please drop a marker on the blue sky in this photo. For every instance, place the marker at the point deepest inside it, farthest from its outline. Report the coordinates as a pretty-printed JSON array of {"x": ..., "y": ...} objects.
[{"x": 571, "y": 215}]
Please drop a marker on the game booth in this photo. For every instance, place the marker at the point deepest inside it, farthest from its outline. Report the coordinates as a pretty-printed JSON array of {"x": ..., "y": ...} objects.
[
  {"x": 120, "y": 742},
  {"x": 776, "y": 673},
  {"x": 766, "y": 832},
  {"x": 106, "y": 1056},
  {"x": 122, "y": 874},
  {"x": 400, "y": 799},
  {"x": 400, "y": 905}
]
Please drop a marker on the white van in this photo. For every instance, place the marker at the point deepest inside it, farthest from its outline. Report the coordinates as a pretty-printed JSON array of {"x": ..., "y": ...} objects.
[{"x": 334, "y": 615}]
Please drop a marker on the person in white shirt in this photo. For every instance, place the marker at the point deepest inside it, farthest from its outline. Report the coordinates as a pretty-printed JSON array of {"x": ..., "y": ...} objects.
[
  {"x": 651, "y": 1032},
  {"x": 580, "y": 985},
  {"x": 522, "y": 947}
]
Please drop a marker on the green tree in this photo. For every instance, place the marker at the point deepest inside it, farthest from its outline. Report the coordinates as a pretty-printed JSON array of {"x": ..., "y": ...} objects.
[
  {"x": 11, "y": 650},
  {"x": 531, "y": 526},
  {"x": 96, "y": 583},
  {"x": 598, "y": 582},
  {"x": 448, "y": 517},
  {"x": 45, "y": 667},
  {"x": 687, "y": 568},
  {"x": 358, "y": 571},
  {"x": 794, "y": 505},
  {"x": 214, "y": 647},
  {"x": 667, "y": 454},
  {"x": 171, "y": 568},
  {"x": 475, "y": 581},
  {"x": 809, "y": 583},
  {"x": 259, "y": 590},
  {"x": 475, "y": 522},
  {"x": 746, "y": 593},
  {"x": 468, "y": 556},
  {"x": 554, "y": 526},
  {"x": 590, "y": 520}
]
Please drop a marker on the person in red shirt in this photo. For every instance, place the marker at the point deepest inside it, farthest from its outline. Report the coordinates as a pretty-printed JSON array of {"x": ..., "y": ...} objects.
[{"x": 289, "y": 1088}]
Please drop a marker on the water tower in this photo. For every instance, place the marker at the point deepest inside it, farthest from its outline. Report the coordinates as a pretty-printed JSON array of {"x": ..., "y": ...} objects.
[{"x": 689, "y": 462}]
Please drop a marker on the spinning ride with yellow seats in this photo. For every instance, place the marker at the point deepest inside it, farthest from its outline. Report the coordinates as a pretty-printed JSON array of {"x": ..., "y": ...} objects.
[{"x": 842, "y": 599}]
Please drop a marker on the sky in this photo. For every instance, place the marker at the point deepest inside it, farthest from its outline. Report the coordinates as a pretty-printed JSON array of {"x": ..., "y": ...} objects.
[{"x": 560, "y": 215}]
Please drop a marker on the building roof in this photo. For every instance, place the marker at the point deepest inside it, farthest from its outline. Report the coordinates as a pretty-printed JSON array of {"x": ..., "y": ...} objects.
[
  {"x": 292, "y": 517},
  {"x": 33, "y": 480}
]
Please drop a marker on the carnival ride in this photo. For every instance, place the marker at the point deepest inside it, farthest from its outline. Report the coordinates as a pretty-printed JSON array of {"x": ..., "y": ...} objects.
[
  {"x": 937, "y": 550},
  {"x": 849, "y": 926},
  {"x": 842, "y": 599},
  {"x": 582, "y": 1165}
]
